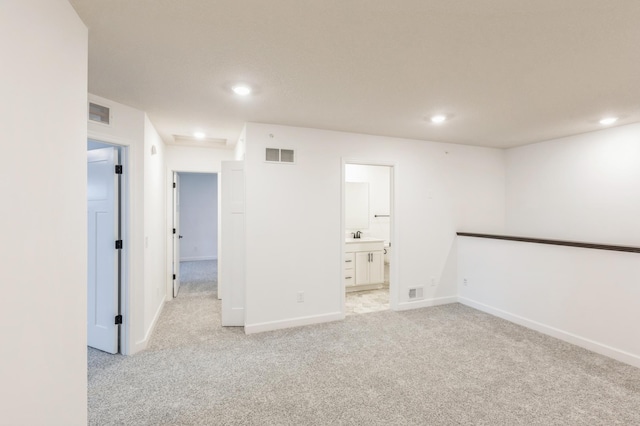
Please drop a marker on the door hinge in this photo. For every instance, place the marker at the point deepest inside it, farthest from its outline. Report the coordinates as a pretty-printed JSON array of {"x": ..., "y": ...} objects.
[
  {"x": 174, "y": 230},
  {"x": 118, "y": 169},
  {"x": 118, "y": 244},
  {"x": 174, "y": 184},
  {"x": 118, "y": 319},
  {"x": 174, "y": 276}
]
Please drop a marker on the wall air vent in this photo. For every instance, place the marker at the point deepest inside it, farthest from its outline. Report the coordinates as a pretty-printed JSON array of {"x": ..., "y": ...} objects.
[
  {"x": 276, "y": 155},
  {"x": 416, "y": 293},
  {"x": 99, "y": 114}
]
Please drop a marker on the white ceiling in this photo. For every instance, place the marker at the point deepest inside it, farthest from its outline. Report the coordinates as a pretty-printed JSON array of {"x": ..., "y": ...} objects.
[{"x": 506, "y": 72}]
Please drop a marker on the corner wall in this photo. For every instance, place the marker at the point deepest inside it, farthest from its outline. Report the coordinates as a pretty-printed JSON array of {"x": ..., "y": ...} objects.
[
  {"x": 293, "y": 218},
  {"x": 579, "y": 188},
  {"x": 43, "y": 373}
]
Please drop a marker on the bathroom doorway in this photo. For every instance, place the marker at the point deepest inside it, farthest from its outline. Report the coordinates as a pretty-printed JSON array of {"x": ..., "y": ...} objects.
[{"x": 368, "y": 230}]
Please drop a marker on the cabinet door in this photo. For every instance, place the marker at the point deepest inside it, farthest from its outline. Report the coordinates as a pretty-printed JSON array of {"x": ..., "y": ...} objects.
[
  {"x": 362, "y": 268},
  {"x": 376, "y": 267}
]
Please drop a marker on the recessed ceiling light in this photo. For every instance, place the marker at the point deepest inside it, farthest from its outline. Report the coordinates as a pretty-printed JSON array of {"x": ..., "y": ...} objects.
[
  {"x": 241, "y": 90},
  {"x": 199, "y": 135},
  {"x": 437, "y": 119},
  {"x": 608, "y": 120}
]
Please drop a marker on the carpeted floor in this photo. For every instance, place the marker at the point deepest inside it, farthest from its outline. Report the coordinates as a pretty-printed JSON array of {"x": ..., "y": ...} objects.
[{"x": 446, "y": 365}]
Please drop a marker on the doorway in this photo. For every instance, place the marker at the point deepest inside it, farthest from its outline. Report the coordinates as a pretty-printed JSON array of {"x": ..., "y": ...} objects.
[
  {"x": 105, "y": 245},
  {"x": 367, "y": 232},
  {"x": 195, "y": 233}
]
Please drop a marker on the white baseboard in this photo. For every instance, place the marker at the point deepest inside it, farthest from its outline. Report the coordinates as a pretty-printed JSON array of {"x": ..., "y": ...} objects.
[
  {"x": 600, "y": 348},
  {"x": 195, "y": 258},
  {"x": 425, "y": 303},
  {"x": 294, "y": 322},
  {"x": 142, "y": 344}
]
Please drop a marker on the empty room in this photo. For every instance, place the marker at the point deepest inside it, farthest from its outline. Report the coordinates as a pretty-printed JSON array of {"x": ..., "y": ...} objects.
[{"x": 292, "y": 213}]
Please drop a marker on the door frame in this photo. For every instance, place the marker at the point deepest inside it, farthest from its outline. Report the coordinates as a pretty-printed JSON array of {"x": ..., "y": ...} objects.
[
  {"x": 169, "y": 225},
  {"x": 394, "y": 295},
  {"x": 124, "y": 332}
]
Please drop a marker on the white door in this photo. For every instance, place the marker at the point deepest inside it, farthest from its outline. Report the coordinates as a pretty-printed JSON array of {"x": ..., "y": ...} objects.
[
  {"x": 103, "y": 259},
  {"x": 231, "y": 262},
  {"x": 176, "y": 234}
]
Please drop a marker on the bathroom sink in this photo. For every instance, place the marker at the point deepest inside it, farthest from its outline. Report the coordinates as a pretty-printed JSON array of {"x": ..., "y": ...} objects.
[{"x": 362, "y": 240}]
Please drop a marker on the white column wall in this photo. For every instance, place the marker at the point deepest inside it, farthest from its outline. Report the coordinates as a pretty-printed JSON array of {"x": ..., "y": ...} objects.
[
  {"x": 154, "y": 230},
  {"x": 43, "y": 94}
]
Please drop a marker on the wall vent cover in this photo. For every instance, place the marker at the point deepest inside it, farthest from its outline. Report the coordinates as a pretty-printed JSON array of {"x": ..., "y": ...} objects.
[
  {"x": 99, "y": 113},
  {"x": 276, "y": 155},
  {"x": 416, "y": 293}
]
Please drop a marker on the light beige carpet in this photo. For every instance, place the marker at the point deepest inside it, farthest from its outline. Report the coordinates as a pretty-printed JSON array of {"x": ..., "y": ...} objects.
[{"x": 447, "y": 365}]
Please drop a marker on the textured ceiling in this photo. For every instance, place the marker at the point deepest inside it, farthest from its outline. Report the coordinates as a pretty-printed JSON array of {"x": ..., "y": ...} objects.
[{"x": 506, "y": 72}]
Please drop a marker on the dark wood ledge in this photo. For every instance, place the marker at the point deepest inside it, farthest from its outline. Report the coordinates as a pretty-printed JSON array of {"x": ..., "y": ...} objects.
[{"x": 553, "y": 242}]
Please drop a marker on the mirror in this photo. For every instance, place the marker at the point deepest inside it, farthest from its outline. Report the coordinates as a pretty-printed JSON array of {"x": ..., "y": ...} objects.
[{"x": 356, "y": 205}]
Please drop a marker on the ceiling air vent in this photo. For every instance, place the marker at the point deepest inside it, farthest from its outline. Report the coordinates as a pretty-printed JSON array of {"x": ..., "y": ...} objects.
[
  {"x": 99, "y": 114},
  {"x": 276, "y": 155}
]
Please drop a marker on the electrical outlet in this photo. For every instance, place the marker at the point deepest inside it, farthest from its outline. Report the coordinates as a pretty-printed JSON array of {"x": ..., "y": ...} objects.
[
  {"x": 433, "y": 282},
  {"x": 465, "y": 282},
  {"x": 300, "y": 296}
]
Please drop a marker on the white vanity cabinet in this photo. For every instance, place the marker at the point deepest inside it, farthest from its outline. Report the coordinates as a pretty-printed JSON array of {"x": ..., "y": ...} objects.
[{"x": 364, "y": 264}]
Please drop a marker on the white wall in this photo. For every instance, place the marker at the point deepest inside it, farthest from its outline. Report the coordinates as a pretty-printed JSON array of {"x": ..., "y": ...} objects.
[
  {"x": 582, "y": 188},
  {"x": 43, "y": 377},
  {"x": 587, "y": 297},
  {"x": 145, "y": 243},
  {"x": 293, "y": 217},
  {"x": 154, "y": 229},
  {"x": 379, "y": 180},
  {"x": 579, "y": 188},
  {"x": 127, "y": 130},
  {"x": 193, "y": 160},
  {"x": 198, "y": 216}
]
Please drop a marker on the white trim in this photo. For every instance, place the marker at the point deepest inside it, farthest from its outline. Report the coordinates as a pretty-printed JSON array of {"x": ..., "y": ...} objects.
[
  {"x": 591, "y": 345},
  {"x": 196, "y": 258},
  {"x": 425, "y": 303},
  {"x": 294, "y": 322},
  {"x": 142, "y": 344}
]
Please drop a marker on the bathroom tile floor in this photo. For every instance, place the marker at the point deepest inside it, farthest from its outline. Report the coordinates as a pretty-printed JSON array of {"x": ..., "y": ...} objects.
[{"x": 364, "y": 302}]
